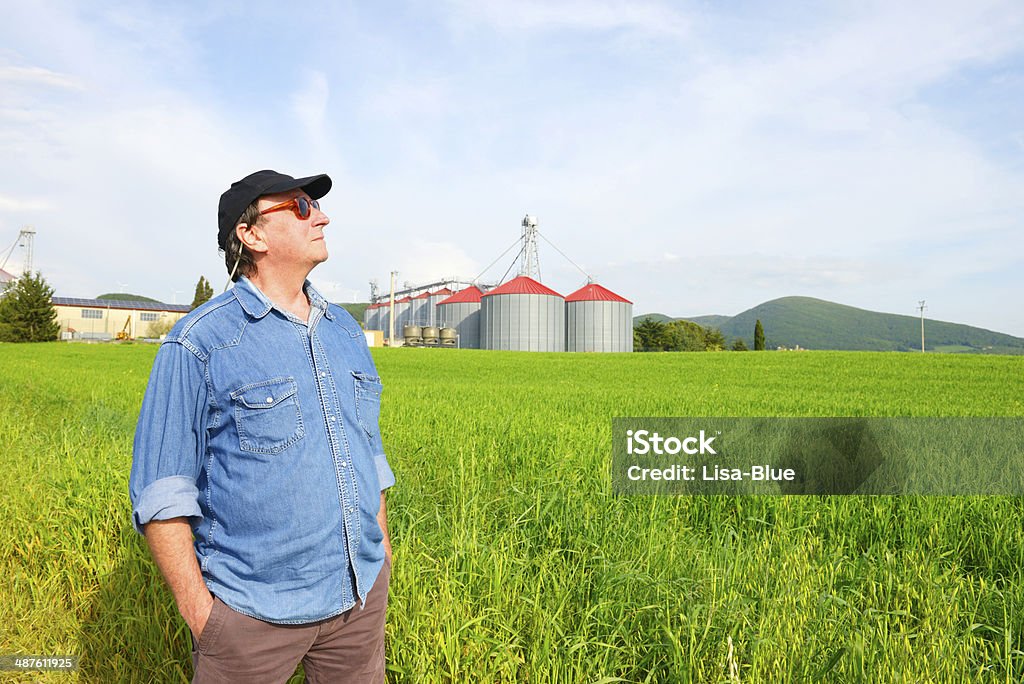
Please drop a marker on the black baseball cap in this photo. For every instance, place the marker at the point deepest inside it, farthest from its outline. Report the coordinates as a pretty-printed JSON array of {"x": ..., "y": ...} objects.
[{"x": 242, "y": 193}]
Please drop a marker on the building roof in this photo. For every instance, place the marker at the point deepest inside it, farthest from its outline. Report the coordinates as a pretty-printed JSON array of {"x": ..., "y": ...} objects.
[
  {"x": 422, "y": 295},
  {"x": 523, "y": 285},
  {"x": 403, "y": 300},
  {"x": 471, "y": 295},
  {"x": 442, "y": 291},
  {"x": 592, "y": 292},
  {"x": 120, "y": 304}
]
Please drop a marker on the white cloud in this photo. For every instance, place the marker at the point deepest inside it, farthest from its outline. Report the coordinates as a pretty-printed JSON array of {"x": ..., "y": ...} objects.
[
  {"x": 422, "y": 261},
  {"x": 309, "y": 104},
  {"x": 582, "y": 15},
  {"x": 38, "y": 76},
  {"x": 22, "y": 204}
]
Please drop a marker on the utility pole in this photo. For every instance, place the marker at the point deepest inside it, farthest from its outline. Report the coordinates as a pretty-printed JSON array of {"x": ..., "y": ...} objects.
[
  {"x": 391, "y": 310},
  {"x": 922, "y": 307}
]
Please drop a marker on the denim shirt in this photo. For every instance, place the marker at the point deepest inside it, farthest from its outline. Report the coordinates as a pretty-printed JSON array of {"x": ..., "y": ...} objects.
[{"x": 262, "y": 430}]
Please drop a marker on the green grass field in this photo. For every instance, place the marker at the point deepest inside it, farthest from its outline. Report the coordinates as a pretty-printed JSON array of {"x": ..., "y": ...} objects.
[{"x": 513, "y": 560}]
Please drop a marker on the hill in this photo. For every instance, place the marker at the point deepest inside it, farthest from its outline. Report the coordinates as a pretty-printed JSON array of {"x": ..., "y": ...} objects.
[
  {"x": 127, "y": 297},
  {"x": 818, "y": 324},
  {"x": 657, "y": 317},
  {"x": 357, "y": 309},
  {"x": 709, "y": 321}
]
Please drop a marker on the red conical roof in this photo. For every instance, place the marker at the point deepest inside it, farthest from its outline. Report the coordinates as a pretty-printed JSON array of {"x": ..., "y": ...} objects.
[
  {"x": 523, "y": 285},
  {"x": 442, "y": 291},
  {"x": 422, "y": 295},
  {"x": 592, "y": 292},
  {"x": 403, "y": 300},
  {"x": 471, "y": 294}
]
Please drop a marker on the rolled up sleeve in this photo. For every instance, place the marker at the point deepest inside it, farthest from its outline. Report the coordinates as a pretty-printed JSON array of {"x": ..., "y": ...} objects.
[
  {"x": 170, "y": 439},
  {"x": 384, "y": 474}
]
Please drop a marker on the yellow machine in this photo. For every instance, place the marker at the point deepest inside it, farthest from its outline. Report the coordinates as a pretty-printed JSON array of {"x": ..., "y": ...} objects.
[{"x": 126, "y": 332}]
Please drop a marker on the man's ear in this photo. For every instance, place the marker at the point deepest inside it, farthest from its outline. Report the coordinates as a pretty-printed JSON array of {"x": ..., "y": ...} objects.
[{"x": 251, "y": 237}]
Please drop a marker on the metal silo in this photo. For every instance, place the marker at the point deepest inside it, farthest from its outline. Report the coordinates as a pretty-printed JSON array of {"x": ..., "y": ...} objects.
[
  {"x": 401, "y": 314},
  {"x": 598, "y": 320},
  {"x": 461, "y": 311},
  {"x": 370, "y": 317},
  {"x": 435, "y": 299},
  {"x": 522, "y": 315},
  {"x": 384, "y": 318},
  {"x": 419, "y": 309}
]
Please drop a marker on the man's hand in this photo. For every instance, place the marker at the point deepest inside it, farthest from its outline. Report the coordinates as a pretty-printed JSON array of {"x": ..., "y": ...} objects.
[
  {"x": 196, "y": 616},
  {"x": 170, "y": 542}
]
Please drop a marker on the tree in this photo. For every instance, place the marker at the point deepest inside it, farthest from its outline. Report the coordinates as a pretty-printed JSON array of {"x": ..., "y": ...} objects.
[
  {"x": 651, "y": 335},
  {"x": 26, "y": 311},
  {"x": 203, "y": 292},
  {"x": 739, "y": 345},
  {"x": 682, "y": 335},
  {"x": 160, "y": 327},
  {"x": 758, "y": 336},
  {"x": 714, "y": 340}
]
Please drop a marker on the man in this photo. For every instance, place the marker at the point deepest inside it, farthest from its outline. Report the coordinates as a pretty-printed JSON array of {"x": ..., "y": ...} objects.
[{"x": 259, "y": 473}]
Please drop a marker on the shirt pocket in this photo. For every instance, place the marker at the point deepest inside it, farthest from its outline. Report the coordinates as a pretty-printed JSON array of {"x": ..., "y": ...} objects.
[
  {"x": 267, "y": 416},
  {"x": 368, "y": 391}
]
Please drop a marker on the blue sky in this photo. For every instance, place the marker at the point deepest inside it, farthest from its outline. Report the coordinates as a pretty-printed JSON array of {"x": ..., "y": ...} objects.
[{"x": 696, "y": 158}]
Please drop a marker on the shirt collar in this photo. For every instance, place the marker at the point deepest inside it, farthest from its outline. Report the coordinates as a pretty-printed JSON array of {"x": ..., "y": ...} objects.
[{"x": 256, "y": 304}]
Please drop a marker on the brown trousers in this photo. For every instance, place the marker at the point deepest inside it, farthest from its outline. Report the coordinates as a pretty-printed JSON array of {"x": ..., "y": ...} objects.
[{"x": 345, "y": 648}]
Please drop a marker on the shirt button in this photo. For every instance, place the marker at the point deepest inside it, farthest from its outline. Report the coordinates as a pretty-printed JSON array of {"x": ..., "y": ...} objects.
[
  {"x": 323, "y": 374},
  {"x": 332, "y": 419},
  {"x": 344, "y": 463},
  {"x": 270, "y": 400}
]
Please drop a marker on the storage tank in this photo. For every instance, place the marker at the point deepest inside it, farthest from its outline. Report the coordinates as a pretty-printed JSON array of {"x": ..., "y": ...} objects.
[
  {"x": 371, "y": 316},
  {"x": 461, "y": 311},
  {"x": 448, "y": 337},
  {"x": 413, "y": 335},
  {"x": 598, "y": 320},
  {"x": 419, "y": 309},
  {"x": 401, "y": 314},
  {"x": 430, "y": 334},
  {"x": 435, "y": 299},
  {"x": 384, "y": 318},
  {"x": 522, "y": 315}
]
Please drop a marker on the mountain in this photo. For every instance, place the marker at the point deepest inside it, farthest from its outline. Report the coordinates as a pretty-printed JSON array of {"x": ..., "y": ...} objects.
[
  {"x": 126, "y": 297},
  {"x": 818, "y": 324},
  {"x": 657, "y": 317},
  {"x": 357, "y": 309},
  {"x": 709, "y": 321}
]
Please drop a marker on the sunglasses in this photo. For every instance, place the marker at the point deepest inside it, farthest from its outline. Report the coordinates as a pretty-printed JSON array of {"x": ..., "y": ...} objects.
[{"x": 300, "y": 205}]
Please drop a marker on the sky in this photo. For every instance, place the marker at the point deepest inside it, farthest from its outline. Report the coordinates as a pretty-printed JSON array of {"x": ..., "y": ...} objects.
[{"x": 694, "y": 157}]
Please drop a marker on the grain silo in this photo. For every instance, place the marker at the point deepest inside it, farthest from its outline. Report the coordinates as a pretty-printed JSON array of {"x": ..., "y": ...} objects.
[
  {"x": 384, "y": 318},
  {"x": 435, "y": 299},
  {"x": 419, "y": 309},
  {"x": 522, "y": 315},
  {"x": 401, "y": 314},
  {"x": 462, "y": 312},
  {"x": 370, "y": 317},
  {"x": 598, "y": 320}
]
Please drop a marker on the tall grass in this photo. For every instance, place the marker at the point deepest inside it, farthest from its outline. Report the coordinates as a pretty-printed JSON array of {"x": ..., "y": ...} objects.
[{"x": 513, "y": 560}]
